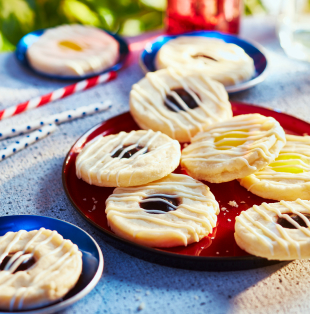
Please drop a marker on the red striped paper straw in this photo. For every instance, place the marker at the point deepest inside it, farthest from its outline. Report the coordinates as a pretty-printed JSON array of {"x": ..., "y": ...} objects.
[{"x": 57, "y": 94}]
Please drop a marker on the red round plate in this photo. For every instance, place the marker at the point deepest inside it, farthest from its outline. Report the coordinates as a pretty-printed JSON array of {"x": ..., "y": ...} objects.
[{"x": 219, "y": 250}]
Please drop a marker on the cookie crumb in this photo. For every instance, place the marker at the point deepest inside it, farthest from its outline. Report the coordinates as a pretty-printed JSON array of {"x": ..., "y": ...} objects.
[
  {"x": 137, "y": 297},
  {"x": 242, "y": 202},
  {"x": 196, "y": 297},
  {"x": 228, "y": 219},
  {"x": 233, "y": 203},
  {"x": 217, "y": 252},
  {"x": 223, "y": 208},
  {"x": 185, "y": 145},
  {"x": 224, "y": 213},
  {"x": 84, "y": 199},
  {"x": 93, "y": 199},
  {"x": 141, "y": 306},
  {"x": 147, "y": 292},
  {"x": 95, "y": 202},
  {"x": 212, "y": 238},
  {"x": 227, "y": 251}
]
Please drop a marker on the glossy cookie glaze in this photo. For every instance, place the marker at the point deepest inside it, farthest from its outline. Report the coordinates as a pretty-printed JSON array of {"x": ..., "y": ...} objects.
[
  {"x": 42, "y": 268},
  {"x": 182, "y": 211},
  {"x": 179, "y": 106},
  {"x": 73, "y": 51},
  {"x": 127, "y": 159},
  {"x": 288, "y": 177},
  {"x": 234, "y": 148},
  {"x": 273, "y": 230},
  {"x": 224, "y": 62}
]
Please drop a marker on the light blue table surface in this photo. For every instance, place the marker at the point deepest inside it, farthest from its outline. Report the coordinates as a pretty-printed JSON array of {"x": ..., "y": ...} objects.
[{"x": 30, "y": 183}]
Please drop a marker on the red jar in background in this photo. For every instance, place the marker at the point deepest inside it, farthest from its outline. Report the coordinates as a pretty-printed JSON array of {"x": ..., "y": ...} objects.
[{"x": 189, "y": 15}]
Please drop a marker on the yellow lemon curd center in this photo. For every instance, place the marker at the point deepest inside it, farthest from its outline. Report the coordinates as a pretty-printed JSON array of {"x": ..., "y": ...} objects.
[
  {"x": 70, "y": 45},
  {"x": 231, "y": 139},
  {"x": 289, "y": 163}
]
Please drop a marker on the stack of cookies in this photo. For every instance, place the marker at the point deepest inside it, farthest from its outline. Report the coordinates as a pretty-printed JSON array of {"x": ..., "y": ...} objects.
[{"x": 155, "y": 207}]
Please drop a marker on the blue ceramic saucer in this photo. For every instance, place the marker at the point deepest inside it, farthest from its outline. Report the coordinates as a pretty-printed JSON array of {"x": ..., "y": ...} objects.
[
  {"x": 92, "y": 255},
  {"x": 32, "y": 37},
  {"x": 254, "y": 50}
]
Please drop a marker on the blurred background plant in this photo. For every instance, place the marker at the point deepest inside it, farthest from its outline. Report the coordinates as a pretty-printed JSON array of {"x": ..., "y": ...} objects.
[{"x": 127, "y": 17}]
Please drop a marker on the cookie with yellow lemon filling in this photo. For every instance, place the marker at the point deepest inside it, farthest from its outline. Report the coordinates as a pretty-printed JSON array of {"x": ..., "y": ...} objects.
[
  {"x": 234, "y": 148},
  {"x": 73, "y": 50},
  {"x": 288, "y": 177},
  {"x": 277, "y": 231},
  {"x": 179, "y": 106},
  {"x": 223, "y": 62},
  {"x": 176, "y": 210}
]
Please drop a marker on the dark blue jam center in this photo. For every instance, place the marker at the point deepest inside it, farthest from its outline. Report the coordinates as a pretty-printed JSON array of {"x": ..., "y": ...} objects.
[
  {"x": 23, "y": 266},
  {"x": 155, "y": 206},
  {"x": 129, "y": 153},
  {"x": 172, "y": 104},
  {"x": 286, "y": 224},
  {"x": 201, "y": 55}
]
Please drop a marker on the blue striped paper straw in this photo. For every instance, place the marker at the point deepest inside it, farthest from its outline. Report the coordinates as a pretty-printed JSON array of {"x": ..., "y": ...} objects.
[
  {"x": 56, "y": 119},
  {"x": 26, "y": 141}
]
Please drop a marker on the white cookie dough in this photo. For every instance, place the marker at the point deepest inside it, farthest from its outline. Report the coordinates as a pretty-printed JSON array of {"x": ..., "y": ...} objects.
[
  {"x": 189, "y": 220},
  {"x": 56, "y": 269},
  {"x": 288, "y": 177},
  {"x": 155, "y": 103},
  {"x": 234, "y": 148},
  {"x": 223, "y": 62},
  {"x": 277, "y": 231},
  {"x": 153, "y": 155},
  {"x": 73, "y": 50}
]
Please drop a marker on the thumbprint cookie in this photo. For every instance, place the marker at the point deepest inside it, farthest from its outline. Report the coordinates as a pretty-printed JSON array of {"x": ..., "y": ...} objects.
[
  {"x": 223, "y": 62},
  {"x": 176, "y": 210},
  {"x": 234, "y": 148},
  {"x": 73, "y": 50},
  {"x": 277, "y": 231},
  {"x": 179, "y": 106},
  {"x": 37, "y": 268},
  {"x": 128, "y": 159},
  {"x": 288, "y": 177}
]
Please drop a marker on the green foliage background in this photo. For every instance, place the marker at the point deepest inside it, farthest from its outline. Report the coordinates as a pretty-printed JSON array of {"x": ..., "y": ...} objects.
[{"x": 127, "y": 17}]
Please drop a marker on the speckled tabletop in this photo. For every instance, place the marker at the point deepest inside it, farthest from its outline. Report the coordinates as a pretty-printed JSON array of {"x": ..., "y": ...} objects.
[{"x": 30, "y": 183}]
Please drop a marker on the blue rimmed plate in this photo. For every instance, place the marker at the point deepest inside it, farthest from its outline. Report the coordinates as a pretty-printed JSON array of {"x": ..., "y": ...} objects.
[
  {"x": 92, "y": 255},
  {"x": 32, "y": 37},
  {"x": 254, "y": 50}
]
